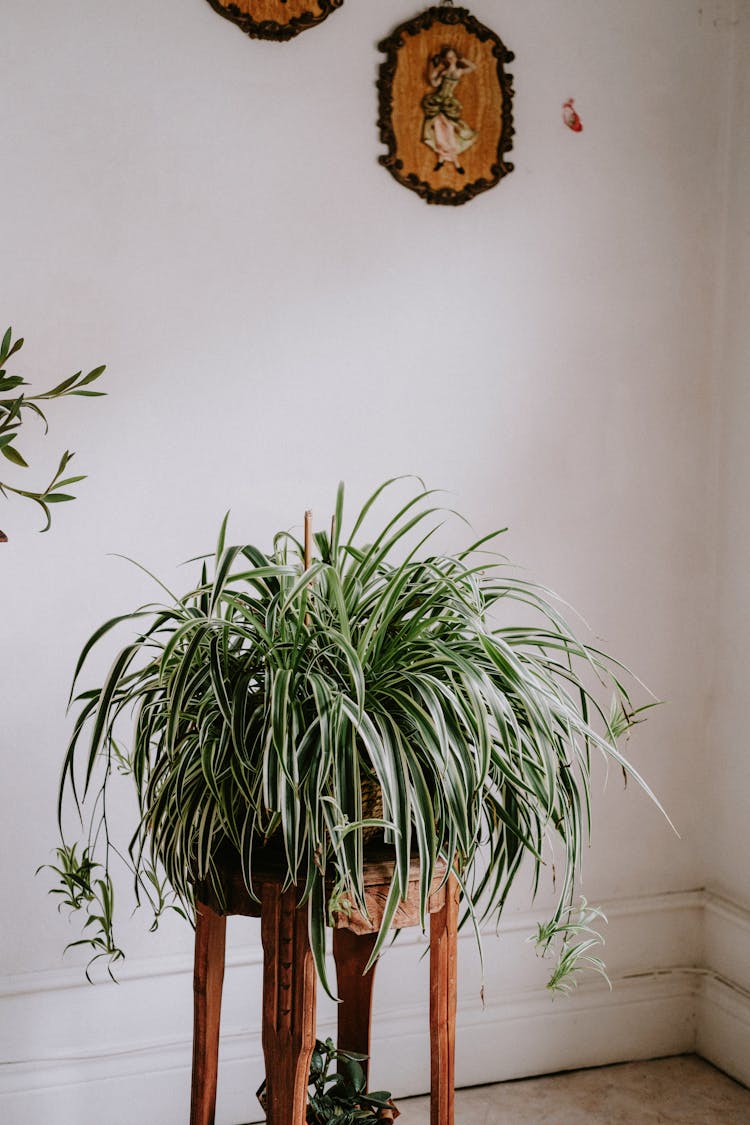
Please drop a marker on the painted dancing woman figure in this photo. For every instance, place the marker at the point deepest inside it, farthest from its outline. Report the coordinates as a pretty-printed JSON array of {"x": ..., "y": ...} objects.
[{"x": 444, "y": 130}]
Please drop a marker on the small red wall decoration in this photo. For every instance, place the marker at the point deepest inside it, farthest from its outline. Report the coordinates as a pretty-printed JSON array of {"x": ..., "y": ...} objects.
[{"x": 570, "y": 116}]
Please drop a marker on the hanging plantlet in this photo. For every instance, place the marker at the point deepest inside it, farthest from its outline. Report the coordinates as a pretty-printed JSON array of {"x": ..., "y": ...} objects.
[
  {"x": 445, "y": 105},
  {"x": 279, "y": 20}
]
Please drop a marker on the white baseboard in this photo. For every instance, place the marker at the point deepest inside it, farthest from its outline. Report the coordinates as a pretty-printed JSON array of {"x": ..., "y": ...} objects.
[
  {"x": 121, "y": 1054},
  {"x": 723, "y": 1026}
]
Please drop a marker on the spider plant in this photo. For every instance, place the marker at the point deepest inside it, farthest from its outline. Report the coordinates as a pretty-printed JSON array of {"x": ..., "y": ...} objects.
[{"x": 261, "y": 704}]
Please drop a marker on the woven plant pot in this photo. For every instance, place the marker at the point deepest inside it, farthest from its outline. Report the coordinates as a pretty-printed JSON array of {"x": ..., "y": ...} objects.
[{"x": 372, "y": 809}]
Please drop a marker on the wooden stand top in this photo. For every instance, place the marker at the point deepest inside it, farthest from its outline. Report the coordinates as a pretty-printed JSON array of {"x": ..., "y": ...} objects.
[{"x": 269, "y": 867}]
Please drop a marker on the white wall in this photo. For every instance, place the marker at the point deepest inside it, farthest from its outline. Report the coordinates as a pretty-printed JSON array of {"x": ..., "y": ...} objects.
[
  {"x": 206, "y": 214},
  {"x": 725, "y": 1037},
  {"x": 729, "y": 834}
]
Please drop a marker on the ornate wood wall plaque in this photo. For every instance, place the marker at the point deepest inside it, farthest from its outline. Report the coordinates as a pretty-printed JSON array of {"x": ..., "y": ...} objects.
[
  {"x": 275, "y": 19},
  {"x": 445, "y": 105}
]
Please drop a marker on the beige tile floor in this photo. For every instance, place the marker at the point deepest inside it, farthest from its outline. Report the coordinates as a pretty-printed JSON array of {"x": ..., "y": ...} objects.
[{"x": 684, "y": 1090}]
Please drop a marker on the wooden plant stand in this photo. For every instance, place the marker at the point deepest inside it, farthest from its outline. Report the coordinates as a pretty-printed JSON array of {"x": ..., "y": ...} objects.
[{"x": 289, "y": 983}]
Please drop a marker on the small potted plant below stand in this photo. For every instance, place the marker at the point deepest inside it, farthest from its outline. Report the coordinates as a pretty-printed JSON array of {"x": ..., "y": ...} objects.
[{"x": 337, "y": 1090}]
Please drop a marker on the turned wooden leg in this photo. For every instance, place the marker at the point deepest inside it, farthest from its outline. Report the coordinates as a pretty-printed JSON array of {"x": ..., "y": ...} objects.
[
  {"x": 208, "y": 978},
  {"x": 443, "y": 972},
  {"x": 351, "y": 952},
  {"x": 288, "y": 1005}
]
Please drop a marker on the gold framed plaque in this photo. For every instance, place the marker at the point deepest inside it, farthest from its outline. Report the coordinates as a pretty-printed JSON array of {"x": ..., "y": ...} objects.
[
  {"x": 279, "y": 20},
  {"x": 445, "y": 112}
]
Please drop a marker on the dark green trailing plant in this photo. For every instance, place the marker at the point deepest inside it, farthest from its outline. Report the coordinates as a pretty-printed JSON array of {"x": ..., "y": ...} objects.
[
  {"x": 337, "y": 1094},
  {"x": 256, "y": 706},
  {"x": 13, "y": 406}
]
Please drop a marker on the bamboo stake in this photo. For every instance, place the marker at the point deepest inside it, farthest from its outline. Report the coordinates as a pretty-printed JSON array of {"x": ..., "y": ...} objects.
[
  {"x": 308, "y": 549},
  {"x": 308, "y": 538}
]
